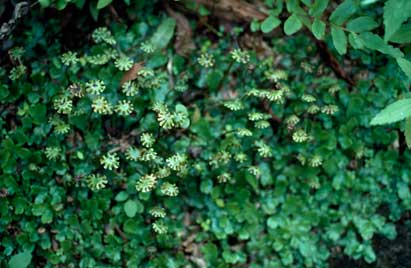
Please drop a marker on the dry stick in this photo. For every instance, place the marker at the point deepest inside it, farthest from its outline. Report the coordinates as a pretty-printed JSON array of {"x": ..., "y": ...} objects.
[
  {"x": 332, "y": 62},
  {"x": 233, "y": 10},
  {"x": 267, "y": 108},
  {"x": 183, "y": 43},
  {"x": 120, "y": 233},
  {"x": 115, "y": 15}
]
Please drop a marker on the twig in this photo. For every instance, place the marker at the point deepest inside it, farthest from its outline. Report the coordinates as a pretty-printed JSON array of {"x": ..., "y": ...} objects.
[
  {"x": 114, "y": 13},
  {"x": 332, "y": 62},
  {"x": 267, "y": 108},
  {"x": 120, "y": 233}
]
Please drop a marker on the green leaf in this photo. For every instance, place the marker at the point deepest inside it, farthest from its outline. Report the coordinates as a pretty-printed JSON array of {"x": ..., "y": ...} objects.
[
  {"x": 389, "y": 231},
  {"x": 164, "y": 33},
  {"x": 80, "y": 3},
  {"x": 38, "y": 112},
  {"x": 130, "y": 208},
  {"x": 269, "y": 24},
  {"x": 306, "y": 248},
  {"x": 255, "y": 26},
  {"x": 203, "y": 11},
  {"x": 131, "y": 226},
  {"x": 318, "y": 29},
  {"x": 362, "y": 24},
  {"x": 374, "y": 42},
  {"x": 210, "y": 252},
  {"x": 403, "y": 35},
  {"x": 103, "y": 3},
  {"x": 206, "y": 186},
  {"x": 355, "y": 41},
  {"x": 403, "y": 191},
  {"x": 318, "y": 8},
  {"x": 252, "y": 180},
  {"x": 287, "y": 258},
  {"x": 61, "y": 4},
  {"x": 293, "y": 6},
  {"x": 93, "y": 11},
  {"x": 343, "y": 12},
  {"x": 21, "y": 260},
  {"x": 272, "y": 222},
  {"x": 121, "y": 196},
  {"x": 181, "y": 109},
  {"x": 23, "y": 153},
  {"x": 213, "y": 79},
  {"x": 292, "y": 25},
  {"x": 4, "y": 92},
  {"x": 394, "y": 112},
  {"x": 407, "y": 132},
  {"x": 405, "y": 66},
  {"x": 396, "y": 12},
  {"x": 369, "y": 254},
  {"x": 339, "y": 39},
  {"x": 44, "y": 3}
]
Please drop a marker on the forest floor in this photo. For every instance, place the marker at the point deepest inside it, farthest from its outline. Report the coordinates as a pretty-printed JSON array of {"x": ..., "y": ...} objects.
[{"x": 390, "y": 253}]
